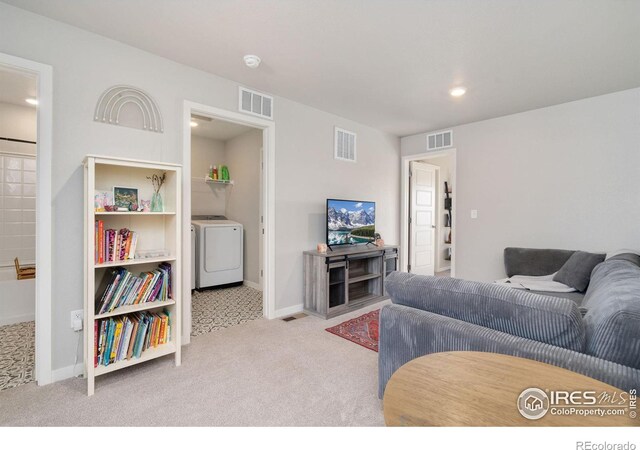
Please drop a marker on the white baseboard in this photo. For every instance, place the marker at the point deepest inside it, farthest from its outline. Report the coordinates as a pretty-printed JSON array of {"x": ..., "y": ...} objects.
[
  {"x": 17, "y": 319},
  {"x": 295, "y": 309},
  {"x": 67, "y": 372},
  {"x": 251, "y": 284}
]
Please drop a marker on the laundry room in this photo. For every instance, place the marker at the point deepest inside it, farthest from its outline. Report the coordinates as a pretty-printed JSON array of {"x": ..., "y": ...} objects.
[{"x": 226, "y": 211}]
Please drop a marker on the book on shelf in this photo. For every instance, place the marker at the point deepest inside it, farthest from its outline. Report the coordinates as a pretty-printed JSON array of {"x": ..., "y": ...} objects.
[
  {"x": 126, "y": 337},
  {"x": 112, "y": 245},
  {"x": 123, "y": 288}
]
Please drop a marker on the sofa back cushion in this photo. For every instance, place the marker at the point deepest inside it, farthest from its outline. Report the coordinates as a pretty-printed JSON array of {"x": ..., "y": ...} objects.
[
  {"x": 534, "y": 261},
  {"x": 555, "y": 321},
  {"x": 633, "y": 258},
  {"x": 612, "y": 321}
]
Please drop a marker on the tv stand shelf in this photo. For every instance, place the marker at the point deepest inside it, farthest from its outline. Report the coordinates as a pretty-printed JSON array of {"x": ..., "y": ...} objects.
[
  {"x": 366, "y": 276},
  {"x": 346, "y": 278}
]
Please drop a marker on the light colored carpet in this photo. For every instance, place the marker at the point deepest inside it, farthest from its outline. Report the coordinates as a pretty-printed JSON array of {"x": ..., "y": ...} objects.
[
  {"x": 17, "y": 357},
  {"x": 261, "y": 373},
  {"x": 216, "y": 309}
]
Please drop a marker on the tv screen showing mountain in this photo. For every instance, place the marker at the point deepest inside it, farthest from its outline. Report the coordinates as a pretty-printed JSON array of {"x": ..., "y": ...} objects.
[{"x": 350, "y": 222}]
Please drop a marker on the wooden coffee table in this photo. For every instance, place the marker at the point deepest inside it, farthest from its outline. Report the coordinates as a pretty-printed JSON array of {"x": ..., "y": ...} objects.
[{"x": 483, "y": 389}]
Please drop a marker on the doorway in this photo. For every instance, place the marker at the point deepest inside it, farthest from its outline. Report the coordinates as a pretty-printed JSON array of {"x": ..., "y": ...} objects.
[
  {"x": 428, "y": 213},
  {"x": 226, "y": 215},
  {"x": 235, "y": 200},
  {"x": 25, "y": 221}
]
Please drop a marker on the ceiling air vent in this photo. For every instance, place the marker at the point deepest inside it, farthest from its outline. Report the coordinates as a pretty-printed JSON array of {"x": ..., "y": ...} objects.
[
  {"x": 256, "y": 103},
  {"x": 345, "y": 145},
  {"x": 437, "y": 141}
]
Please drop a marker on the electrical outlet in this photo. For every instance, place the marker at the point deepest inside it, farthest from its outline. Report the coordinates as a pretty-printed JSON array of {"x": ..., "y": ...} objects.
[{"x": 75, "y": 316}]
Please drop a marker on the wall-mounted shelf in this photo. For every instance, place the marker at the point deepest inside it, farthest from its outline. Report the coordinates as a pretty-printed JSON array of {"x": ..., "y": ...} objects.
[{"x": 224, "y": 182}]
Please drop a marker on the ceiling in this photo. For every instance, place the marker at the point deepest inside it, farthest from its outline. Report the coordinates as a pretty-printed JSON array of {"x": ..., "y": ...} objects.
[
  {"x": 16, "y": 87},
  {"x": 217, "y": 129},
  {"x": 388, "y": 64}
]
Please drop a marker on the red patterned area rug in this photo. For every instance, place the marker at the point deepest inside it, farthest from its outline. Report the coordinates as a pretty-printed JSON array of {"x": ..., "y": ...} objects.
[{"x": 362, "y": 330}]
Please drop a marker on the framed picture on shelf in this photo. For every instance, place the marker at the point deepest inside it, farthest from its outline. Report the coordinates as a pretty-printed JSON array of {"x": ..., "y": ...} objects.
[
  {"x": 124, "y": 197},
  {"x": 102, "y": 199}
]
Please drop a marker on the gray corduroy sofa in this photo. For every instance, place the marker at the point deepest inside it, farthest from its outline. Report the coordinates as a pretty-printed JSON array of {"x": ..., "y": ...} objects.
[{"x": 431, "y": 315}]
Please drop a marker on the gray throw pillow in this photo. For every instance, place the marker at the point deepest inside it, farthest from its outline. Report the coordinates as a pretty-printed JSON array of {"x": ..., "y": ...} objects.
[{"x": 576, "y": 272}]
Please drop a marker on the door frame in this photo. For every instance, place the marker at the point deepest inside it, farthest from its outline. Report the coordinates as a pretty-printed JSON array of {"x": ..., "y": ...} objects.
[
  {"x": 44, "y": 198},
  {"x": 268, "y": 128},
  {"x": 404, "y": 204},
  {"x": 261, "y": 227}
]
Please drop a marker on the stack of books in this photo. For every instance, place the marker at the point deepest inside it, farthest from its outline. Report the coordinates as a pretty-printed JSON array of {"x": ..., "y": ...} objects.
[
  {"x": 122, "y": 288},
  {"x": 126, "y": 337},
  {"x": 114, "y": 246}
]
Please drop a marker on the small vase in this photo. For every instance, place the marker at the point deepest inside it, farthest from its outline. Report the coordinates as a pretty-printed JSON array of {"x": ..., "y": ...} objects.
[{"x": 156, "y": 203}]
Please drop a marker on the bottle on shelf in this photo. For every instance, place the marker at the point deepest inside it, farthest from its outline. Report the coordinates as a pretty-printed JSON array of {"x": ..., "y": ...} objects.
[
  {"x": 210, "y": 171},
  {"x": 215, "y": 172}
]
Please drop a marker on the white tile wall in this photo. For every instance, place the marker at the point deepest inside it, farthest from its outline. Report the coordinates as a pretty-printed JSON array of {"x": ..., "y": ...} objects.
[{"x": 17, "y": 209}]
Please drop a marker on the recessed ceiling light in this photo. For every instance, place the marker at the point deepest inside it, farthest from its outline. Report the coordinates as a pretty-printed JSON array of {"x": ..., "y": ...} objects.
[
  {"x": 252, "y": 61},
  {"x": 31, "y": 101},
  {"x": 458, "y": 91},
  {"x": 194, "y": 123}
]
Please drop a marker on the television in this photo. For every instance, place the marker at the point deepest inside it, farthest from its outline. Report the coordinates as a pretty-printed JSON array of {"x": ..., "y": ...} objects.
[{"x": 350, "y": 222}]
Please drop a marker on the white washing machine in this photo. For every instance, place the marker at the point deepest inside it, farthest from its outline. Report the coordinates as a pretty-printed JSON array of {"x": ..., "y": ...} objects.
[{"x": 219, "y": 247}]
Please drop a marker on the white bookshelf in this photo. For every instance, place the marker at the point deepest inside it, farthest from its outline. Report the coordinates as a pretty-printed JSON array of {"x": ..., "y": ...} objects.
[{"x": 156, "y": 230}]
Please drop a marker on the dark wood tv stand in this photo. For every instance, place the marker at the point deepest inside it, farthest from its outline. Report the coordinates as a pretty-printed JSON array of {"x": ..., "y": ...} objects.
[{"x": 346, "y": 278}]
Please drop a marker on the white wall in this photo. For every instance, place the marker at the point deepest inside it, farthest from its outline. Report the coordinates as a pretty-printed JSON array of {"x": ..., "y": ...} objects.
[
  {"x": 17, "y": 186},
  {"x": 17, "y": 298},
  {"x": 86, "y": 64},
  {"x": 17, "y": 122},
  {"x": 205, "y": 152},
  {"x": 243, "y": 160},
  {"x": 206, "y": 199},
  {"x": 559, "y": 177}
]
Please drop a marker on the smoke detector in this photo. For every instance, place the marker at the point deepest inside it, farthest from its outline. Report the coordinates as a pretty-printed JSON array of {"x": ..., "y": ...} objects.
[{"x": 252, "y": 61}]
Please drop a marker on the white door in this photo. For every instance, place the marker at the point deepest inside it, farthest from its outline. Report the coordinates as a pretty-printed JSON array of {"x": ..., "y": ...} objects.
[{"x": 422, "y": 213}]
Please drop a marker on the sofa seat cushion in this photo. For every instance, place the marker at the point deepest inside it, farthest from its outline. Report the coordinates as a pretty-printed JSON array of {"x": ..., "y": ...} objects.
[
  {"x": 612, "y": 321},
  {"x": 576, "y": 297},
  {"x": 555, "y": 321}
]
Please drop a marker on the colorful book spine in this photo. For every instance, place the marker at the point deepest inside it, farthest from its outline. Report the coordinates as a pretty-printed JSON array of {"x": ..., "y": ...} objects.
[
  {"x": 109, "y": 342},
  {"x": 116, "y": 340},
  {"x": 134, "y": 244},
  {"x": 95, "y": 344},
  {"x": 127, "y": 247},
  {"x": 96, "y": 239}
]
